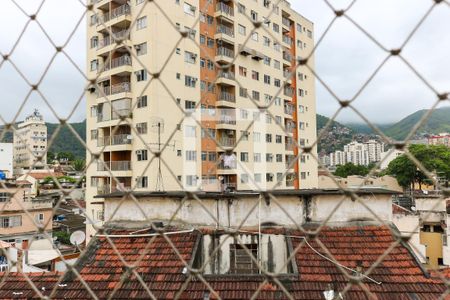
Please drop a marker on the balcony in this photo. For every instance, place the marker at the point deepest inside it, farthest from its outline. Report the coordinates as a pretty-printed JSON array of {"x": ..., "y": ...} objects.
[
  {"x": 226, "y": 78},
  {"x": 224, "y": 55},
  {"x": 123, "y": 87},
  {"x": 121, "y": 165},
  {"x": 227, "y": 141},
  {"x": 225, "y": 33},
  {"x": 123, "y": 62},
  {"x": 287, "y": 56},
  {"x": 286, "y": 22},
  {"x": 289, "y": 146},
  {"x": 119, "y": 139},
  {"x": 289, "y": 109},
  {"x": 290, "y": 126},
  {"x": 224, "y": 12},
  {"x": 287, "y": 40},
  {"x": 119, "y": 16},
  {"x": 103, "y": 44},
  {"x": 288, "y": 91},
  {"x": 226, "y": 99},
  {"x": 230, "y": 166}
]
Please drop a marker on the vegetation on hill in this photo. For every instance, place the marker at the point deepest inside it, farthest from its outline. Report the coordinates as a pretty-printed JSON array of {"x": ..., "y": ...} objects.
[
  {"x": 352, "y": 169},
  {"x": 335, "y": 137},
  {"x": 439, "y": 121}
]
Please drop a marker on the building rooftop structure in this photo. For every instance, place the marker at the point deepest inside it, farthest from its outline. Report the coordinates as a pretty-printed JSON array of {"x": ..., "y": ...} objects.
[{"x": 164, "y": 268}]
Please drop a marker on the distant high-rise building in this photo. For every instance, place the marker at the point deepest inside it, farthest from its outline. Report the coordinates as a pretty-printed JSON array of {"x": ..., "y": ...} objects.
[
  {"x": 357, "y": 153},
  {"x": 225, "y": 84},
  {"x": 30, "y": 143},
  {"x": 6, "y": 159}
]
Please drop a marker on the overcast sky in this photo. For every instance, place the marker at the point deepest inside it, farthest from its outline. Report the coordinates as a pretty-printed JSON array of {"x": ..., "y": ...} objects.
[{"x": 344, "y": 60}]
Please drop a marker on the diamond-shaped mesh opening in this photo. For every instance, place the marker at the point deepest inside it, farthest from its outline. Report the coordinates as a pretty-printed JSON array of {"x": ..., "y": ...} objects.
[{"x": 159, "y": 235}]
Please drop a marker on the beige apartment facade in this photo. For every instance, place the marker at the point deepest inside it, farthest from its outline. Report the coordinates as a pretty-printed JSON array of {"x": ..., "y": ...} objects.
[
  {"x": 30, "y": 143},
  {"x": 225, "y": 115}
]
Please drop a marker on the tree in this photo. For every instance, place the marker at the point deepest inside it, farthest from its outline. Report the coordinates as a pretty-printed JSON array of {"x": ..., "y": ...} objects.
[
  {"x": 66, "y": 156},
  {"x": 351, "y": 169},
  {"x": 79, "y": 164},
  {"x": 435, "y": 159}
]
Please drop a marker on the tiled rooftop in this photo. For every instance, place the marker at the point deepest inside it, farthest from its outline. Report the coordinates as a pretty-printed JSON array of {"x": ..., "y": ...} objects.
[{"x": 160, "y": 266}]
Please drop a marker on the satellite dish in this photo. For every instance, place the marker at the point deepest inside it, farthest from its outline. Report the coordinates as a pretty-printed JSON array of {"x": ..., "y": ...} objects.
[{"x": 77, "y": 238}]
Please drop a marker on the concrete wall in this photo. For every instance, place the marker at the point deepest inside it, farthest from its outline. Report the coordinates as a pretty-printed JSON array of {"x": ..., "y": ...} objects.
[{"x": 408, "y": 225}]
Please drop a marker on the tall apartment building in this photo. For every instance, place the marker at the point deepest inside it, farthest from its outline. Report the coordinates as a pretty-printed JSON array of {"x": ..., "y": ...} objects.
[
  {"x": 224, "y": 85},
  {"x": 6, "y": 159},
  {"x": 356, "y": 153},
  {"x": 30, "y": 142}
]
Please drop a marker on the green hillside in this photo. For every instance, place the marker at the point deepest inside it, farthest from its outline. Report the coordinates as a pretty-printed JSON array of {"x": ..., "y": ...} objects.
[
  {"x": 439, "y": 121},
  {"x": 65, "y": 141},
  {"x": 336, "y": 136}
]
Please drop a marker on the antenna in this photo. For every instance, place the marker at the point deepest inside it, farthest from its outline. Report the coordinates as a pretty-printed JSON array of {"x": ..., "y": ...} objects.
[
  {"x": 77, "y": 238},
  {"x": 158, "y": 124}
]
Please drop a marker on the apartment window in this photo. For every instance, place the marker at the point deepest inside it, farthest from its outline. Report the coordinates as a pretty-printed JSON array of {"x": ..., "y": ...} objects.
[
  {"x": 244, "y": 178},
  {"x": 268, "y": 138},
  {"x": 244, "y": 135},
  {"x": 141, "y": 128},
  {"x": 178, "y": 51},
  {"x": 141, "y": 75},
  {"x": 279, "y": 158},
  {"x": 276, "y": 46},
  {"x": 94, "y": 134},
  {"x": 256, "y": 137},
  {"x": 266, "y": 79},
  {"x": 141, "y": 23},
  {"x": 268, "y": 119},
  {"x": 5, "y": 197},
  {"x": 191, "y": 180},
  {"x": 11, "y": 221},
  {"x": 276, "y": 27},
  {"x": 190, "y": 105},
  {"x": 299, "y": 27},
  {"x": 267, "y": 60},
  {"x": 139, "y": 2},
  {"x": 277, "y": 64},
  {"x": 202, "y": 63},
  {"x": 212, "y": 156},
  {"x": 189, "y": 131},
  {"x": 301, "y": 125},
  {"x": 255, "y": 95},
  {"x": 301, "y": 76},
  {"x": 202, "y": 39},
  {"x": 191, "y": 32},
  {"x": 244, "y": 113},
  {"x": 269, "y": 157},
  {"x": 309, "y": 33},
  {"x": 269, "y": 177},
  {"x": 243, "y": 71},
  {"x": 277, "y": 82},
  {"x": 94, "y": 42},
  {"x": 39, "y": 218},
  {"x": 255, "y": 75},
  {"x": 141, "y": 49},
  {"x": 190, "y": 81},
  {"x": 189, "y": 9},
  {"x": 301, "y": 92},
  {"x": 242, "y": 30},
  {"x": 190, "y": 57},
  {"x": 191, "y": 155},
  {"x": 94, "y": 111},
  {"x": 303, "y": 175},
  {"x": 94, "y": 19},
  {"x": 142, "y": 101},
  {"x": 257, "y": 157},
  {"x": 94, "y": 65},
  {"x": 266, "y": 41},
  {"x": 210, "y": 65},
  {"x": 243, "y": 92},
  {"x": 210, "y": 43},
  {"x": 278, "y": 101},
  {"x": 257, "y": 177},
  {"x": 301, "y": 108},
  {"x": 141, "y": 155},
  {"x": 244, "y": 156},
  {"x": 255, "y": 36},
  {"x": 254, "y": 15},
  {"x": 241, "y": 8},
  {"x": 142, "y": 182},
  {"x": 266, "y": 3},
  {"x": 278, "y": 139}
]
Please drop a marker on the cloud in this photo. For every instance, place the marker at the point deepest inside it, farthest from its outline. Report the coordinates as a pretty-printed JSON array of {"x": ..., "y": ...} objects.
[{"x": 344, "y": 60}]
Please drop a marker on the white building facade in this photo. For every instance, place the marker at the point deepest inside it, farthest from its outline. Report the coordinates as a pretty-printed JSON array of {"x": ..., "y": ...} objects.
[
  {"x": 6, "y": 159},
  {"x": 357, "y": 153}
]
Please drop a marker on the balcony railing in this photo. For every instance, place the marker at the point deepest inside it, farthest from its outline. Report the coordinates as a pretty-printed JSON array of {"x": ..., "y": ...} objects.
[
  {"x": 120, "y": 35},
  {"x": 120, "y": 11},
  {"x": 230, "y": 166},
  {"x": 287, "y": 56},
  {"x": 289, "y": 146},
  {"x": 227, "y": 142},
  {"x": 123, "y": 87},
  {"x": 226, "y": 96},
  {"x": 226, "y": 75},
  {"x": 288, "y": 91},
  {"x": 225, "y": 30},
  {"x": 226, "y": 9},
  {"x": 119, "y": 113},
  {"x": 286, "y": 22},
  {"x": 289, "y": 109},
  {"x": 287, "y": 39},
  {"x": 225, "y": 52},
  {"x": 117, "y": 62},
  {"x": 290, "y": 126},
  {"x": 119, "y": 139},
  {"x": 124, "y": 165},
  {"x": 226, "y": 119}
]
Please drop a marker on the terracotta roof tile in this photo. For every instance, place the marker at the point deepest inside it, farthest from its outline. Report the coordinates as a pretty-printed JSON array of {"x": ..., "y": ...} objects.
[{"x": 161, "y": 269}]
